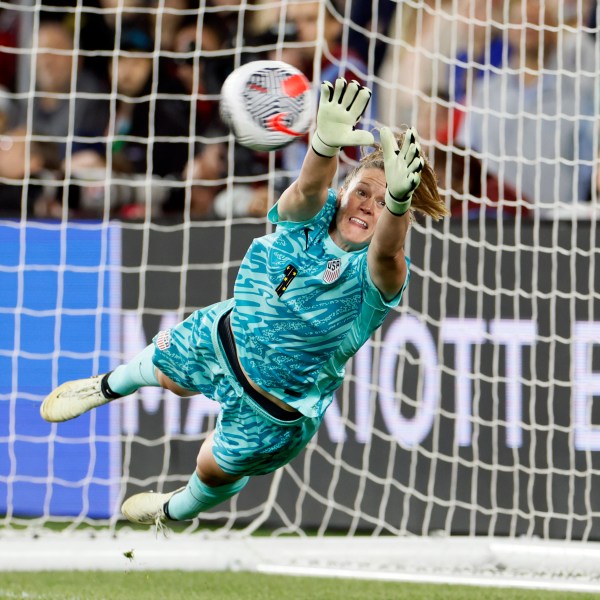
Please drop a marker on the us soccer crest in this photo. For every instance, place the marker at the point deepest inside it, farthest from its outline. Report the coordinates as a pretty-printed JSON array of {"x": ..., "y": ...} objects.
[
  {"x": 163, "y": 339},
  {"x": 333, "y": 270}
]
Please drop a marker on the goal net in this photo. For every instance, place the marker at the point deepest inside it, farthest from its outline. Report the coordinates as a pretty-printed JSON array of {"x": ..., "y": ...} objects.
[{"x": 125, "y": 205}]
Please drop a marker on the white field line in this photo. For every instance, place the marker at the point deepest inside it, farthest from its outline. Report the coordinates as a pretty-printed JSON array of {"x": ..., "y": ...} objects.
[{"x": 449, "y": 579}]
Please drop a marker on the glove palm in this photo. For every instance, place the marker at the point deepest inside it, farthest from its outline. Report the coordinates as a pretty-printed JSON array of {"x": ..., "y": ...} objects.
[
  {"x": 340, "y": 108},
  {"x": 402, "y": 169}
]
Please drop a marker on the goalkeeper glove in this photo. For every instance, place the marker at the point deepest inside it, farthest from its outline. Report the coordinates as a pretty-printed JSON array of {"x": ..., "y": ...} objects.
[
  {"x": 402, "y": 169},
  {"x": 340, "y": 108}
]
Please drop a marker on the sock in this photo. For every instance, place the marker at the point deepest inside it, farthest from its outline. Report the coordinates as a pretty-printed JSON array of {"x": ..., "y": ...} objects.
[
  {"x": 198, "y": 497},
  {"x": 137, "y": 373}
]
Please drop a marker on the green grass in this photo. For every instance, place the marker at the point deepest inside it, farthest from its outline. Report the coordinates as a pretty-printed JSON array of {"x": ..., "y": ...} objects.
[{"x": 179, "y": 585}]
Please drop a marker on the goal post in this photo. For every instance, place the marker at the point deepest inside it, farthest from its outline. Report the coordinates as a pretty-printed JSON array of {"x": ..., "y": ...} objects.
[{"x": 470, "y": 420}]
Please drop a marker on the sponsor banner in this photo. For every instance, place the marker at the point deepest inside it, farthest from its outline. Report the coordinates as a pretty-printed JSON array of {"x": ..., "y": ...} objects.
[{"x": 472, "y": 410}]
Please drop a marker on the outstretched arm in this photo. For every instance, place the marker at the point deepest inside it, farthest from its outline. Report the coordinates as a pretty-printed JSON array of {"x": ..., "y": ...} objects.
[
  {"x": 403, "y": 166},
  {"x": 340, "y": 108}
]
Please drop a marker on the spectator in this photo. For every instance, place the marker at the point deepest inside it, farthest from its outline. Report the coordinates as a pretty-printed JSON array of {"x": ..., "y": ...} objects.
[
  {"x": 193, "y": 68},
  {"x": 241, "y": 24},
  {"x": 99, "y": 27},
  {"x": 411, "y": 69},
  {"x": 208, "y": 197},
  {"x": 533, "y": 123},
  {"x": 171, "y": 19},
  {"x": 374, "y": 18},
  {"x": 148, "y": 120},
  {"x": 58, "y": 74},
  {"x": 233, "y": 17},
  {"x": 336, "y": 61},
  {"x": 437, "y": 52},
  {"x": 277, "y": 41},
  {"x": 195, "y": 45},
  {"x": 269, "y": 39}
]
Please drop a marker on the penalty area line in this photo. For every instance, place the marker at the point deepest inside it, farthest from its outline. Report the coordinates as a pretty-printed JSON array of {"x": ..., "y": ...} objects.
[{"x": 498, "y": 582}]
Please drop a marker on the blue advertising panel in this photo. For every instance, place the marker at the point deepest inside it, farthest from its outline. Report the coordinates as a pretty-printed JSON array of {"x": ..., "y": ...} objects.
[{"x": 59, "y": 298}]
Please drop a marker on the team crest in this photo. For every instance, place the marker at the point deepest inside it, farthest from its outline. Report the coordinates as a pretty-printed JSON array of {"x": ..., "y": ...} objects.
[
  {"x": 333, "y": 270},
  {"x": 163, "y": 339}
]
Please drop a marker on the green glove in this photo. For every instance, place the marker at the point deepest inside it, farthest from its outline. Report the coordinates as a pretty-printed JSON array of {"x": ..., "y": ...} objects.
[
  {"x": 340, "y": 108},
  {"x": 402, "y": 169}
]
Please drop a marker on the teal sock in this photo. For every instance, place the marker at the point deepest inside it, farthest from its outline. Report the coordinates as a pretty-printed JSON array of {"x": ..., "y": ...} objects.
[
  {"x": 137, "y": 373},
  {"x": 198, "y": 497}
]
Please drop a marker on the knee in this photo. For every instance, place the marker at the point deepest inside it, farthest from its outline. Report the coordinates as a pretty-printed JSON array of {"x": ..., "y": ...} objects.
[
  {"x": 209, "y": 471},
  {"x": 163, "y": 380}
]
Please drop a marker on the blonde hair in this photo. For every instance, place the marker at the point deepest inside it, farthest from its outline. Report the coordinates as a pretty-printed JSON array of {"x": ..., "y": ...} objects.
[{"x": 426, "y": 199}]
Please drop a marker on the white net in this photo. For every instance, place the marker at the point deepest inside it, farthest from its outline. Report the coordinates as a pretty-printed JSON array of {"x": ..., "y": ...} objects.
[{"x": 126, "y": 205}]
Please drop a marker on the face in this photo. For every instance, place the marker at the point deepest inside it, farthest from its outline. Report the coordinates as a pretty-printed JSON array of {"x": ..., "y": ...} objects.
[
  {"x": 305, "y": 15},
  {"x": 132, "y": 74},
  {"x": 531, "y": 25},
  {"x": 185, "y": 39},
  {"x": 53, "y": 66},
  {"x": 360, "y": 206},
  {"x": 306, "y": 18}
]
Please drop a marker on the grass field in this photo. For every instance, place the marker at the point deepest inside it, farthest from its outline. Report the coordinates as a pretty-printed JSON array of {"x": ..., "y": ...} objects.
[{"x": 180, "y": 585}]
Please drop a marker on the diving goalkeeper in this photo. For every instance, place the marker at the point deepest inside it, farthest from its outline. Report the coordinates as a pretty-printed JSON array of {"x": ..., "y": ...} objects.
[{"x": 306, "y": 298}]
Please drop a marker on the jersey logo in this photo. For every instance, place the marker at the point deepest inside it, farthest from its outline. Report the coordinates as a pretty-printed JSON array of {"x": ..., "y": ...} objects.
[
  {"x": 306, "y": 234},
  {"x": 333, "y": 270},
  {"x": 288, "y": 275},
  {"x": 163, "y": 339}
]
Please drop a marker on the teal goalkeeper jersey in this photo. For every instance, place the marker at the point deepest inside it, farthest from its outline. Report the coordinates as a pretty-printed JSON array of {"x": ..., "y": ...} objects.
[{"x": 303, "y": 307}]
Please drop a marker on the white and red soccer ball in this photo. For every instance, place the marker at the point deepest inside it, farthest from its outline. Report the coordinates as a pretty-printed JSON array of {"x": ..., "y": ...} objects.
[{"x": 267, "y": 104}]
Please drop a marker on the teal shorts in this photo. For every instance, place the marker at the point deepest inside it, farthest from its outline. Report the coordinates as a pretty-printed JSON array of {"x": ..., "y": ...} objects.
[{"x": 248, "y": 440}]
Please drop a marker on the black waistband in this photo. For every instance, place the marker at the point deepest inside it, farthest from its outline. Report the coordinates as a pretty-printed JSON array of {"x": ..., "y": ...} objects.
[{"x": 226, "y": 337}]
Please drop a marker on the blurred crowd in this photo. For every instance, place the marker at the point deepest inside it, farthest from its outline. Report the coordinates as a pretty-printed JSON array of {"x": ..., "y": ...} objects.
[{"x": 123, "y": 120}]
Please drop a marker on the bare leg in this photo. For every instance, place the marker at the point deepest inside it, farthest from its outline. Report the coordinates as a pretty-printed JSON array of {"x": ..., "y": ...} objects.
[
  {"x": 207, "y": 469},
  {"x": 169, "y": 384}
]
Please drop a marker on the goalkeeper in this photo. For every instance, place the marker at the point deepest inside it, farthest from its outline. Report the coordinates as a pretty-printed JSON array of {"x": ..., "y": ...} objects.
[{"x": 306, "y": 298}]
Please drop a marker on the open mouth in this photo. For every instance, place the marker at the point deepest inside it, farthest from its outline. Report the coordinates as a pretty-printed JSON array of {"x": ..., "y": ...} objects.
[{"x": 359, "y": 222}]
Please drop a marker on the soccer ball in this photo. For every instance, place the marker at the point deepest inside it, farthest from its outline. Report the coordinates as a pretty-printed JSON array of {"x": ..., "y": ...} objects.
[{"x": 267, "y": 104}]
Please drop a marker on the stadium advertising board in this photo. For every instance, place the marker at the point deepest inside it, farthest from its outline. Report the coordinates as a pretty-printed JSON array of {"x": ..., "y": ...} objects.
[
  {"x": 474, "y": 410},
  {"x": 477, "y": 400}
]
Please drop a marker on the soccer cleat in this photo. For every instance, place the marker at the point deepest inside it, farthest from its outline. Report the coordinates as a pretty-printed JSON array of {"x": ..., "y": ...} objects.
[
  {"x": 147, "y": 508},
  {"x": 73, "y": 398}
]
